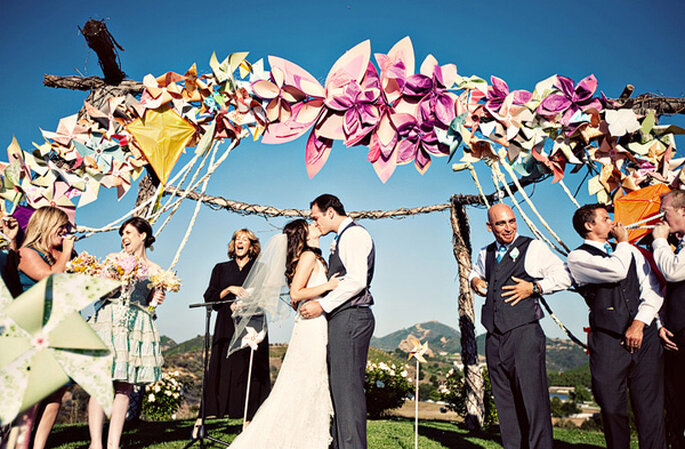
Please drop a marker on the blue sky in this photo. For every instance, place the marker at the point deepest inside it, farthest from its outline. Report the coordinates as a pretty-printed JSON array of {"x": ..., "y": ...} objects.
[{"x": 416, "y": 277}]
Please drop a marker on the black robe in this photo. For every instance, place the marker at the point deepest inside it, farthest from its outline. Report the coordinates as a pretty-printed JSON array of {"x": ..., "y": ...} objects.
[{"x": 227, "y": 377}]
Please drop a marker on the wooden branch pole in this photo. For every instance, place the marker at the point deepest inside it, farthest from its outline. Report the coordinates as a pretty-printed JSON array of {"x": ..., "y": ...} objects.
[{"x": 461, "y": 241}]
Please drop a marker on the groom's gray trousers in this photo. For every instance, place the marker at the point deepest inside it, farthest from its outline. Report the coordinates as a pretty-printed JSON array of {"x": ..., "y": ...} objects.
[{"x": 349, "y": 334}]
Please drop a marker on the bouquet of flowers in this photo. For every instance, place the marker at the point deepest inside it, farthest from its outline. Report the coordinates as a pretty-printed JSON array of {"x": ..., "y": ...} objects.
[
  {"x": 123, "y": 267},
  {"x": 163, "y": 398},
  {"x": 163, "y": 280},
  {"x": 85, "y": 263}
]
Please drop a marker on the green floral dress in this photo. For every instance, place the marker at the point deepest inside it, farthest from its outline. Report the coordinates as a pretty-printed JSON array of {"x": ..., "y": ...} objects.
[{"x": 128, "y": 329}]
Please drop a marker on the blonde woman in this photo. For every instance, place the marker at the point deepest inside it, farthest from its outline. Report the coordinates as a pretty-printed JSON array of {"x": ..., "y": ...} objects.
[
  {"x": 227, "y": 377},
  {"x": 46, "y": 250}
]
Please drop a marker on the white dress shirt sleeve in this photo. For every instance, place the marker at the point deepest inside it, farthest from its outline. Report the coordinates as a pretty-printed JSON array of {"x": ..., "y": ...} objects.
[
  {"x": 651, "y": 298},
  {"x": 672, "y": 265},
  {"x": 590, "y": 269},
  {"x": 542, "y": 264},
  {"x": 478, "y": 270},
  {"x": 354, "y": 248}
]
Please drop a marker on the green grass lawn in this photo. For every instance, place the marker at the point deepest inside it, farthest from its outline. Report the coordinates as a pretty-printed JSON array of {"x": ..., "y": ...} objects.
[{"x": 382, "y": 434}]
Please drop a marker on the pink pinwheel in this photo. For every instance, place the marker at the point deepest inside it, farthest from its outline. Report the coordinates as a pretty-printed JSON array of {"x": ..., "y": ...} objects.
[
  {"x": 119, "y": 176},
  {"x": 571, "y": 99},
  {"x": 67, "y": 130},
  {"x": 57, "y": 194},
  {"x": 418, "y": 142},
  {"x": 396, "y": 67},
  {"x": 500, "y": 90},
  {"x": 107, "y": 117}
]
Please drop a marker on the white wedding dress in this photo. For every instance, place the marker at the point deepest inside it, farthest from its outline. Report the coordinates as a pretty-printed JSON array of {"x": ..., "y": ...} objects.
[{"x": 297, "y": 413}]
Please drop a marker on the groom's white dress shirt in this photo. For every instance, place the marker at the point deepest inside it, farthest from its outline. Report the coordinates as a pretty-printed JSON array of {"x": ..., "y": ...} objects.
[
  {"x": 589, "y": 269},
  {"x": 354, "y": 251},
  {"x": 540, "y": 263}
]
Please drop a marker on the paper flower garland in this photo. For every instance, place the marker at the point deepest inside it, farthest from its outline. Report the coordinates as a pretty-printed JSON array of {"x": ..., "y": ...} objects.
[{"x": 401, "y": 116}]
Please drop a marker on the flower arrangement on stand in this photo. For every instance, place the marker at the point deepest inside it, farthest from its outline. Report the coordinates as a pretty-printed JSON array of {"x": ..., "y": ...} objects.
[
  {"x": 386, "y": 388},
  {"x": 163, "y": 398}
]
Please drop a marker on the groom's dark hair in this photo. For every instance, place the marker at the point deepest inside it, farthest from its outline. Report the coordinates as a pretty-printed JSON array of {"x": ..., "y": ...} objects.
[{"x": 323, "y": 202}]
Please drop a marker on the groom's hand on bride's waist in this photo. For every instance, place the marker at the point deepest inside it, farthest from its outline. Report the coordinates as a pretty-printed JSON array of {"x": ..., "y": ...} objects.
[{"x": 311, "y": 309}]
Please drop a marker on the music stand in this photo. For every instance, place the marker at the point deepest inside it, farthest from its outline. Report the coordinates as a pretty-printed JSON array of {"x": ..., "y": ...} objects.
[{"x": 201, "y": 432}]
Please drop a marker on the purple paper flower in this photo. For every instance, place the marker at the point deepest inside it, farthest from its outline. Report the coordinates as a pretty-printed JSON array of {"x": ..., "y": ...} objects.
[
  {"x": 571, "y": 99},
  {"x": 499, "y": 91},
  {"x": 418, "y": 142},
  {"x": 435, "y": 102}
]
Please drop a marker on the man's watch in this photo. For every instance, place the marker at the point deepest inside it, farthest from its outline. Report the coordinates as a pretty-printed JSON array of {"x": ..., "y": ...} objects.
[{"x": 536, "y": 289}]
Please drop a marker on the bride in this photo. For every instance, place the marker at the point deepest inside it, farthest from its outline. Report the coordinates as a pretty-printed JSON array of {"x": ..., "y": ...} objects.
[{"x": 297, "y": 413}]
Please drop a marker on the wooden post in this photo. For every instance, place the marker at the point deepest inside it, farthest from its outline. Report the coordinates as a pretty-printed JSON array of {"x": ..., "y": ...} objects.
[{"x": 461, "y": 240}]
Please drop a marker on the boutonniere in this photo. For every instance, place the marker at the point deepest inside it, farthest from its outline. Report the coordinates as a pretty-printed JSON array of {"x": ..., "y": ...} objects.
[
  {"x": 332, "y": 248},
  {"x": 514, "y": 253}
]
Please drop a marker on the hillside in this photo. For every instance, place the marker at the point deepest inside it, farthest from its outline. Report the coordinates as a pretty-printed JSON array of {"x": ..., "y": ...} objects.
[{"x": 562, "y": 355}]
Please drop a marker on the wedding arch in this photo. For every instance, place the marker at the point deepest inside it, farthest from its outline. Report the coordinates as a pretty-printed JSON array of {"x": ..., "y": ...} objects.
[{"x": 127, "y": 128}]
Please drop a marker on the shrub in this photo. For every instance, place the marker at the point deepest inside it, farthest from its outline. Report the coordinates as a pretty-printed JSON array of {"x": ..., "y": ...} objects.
[
  {"x": 162, "y": 398},
  {"x": 453, "y": 391},
  {"x": 386, "y": 388}
]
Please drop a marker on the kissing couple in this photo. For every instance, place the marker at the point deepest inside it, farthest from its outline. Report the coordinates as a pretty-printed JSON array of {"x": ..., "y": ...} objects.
[{"x": 322, "y": 375}]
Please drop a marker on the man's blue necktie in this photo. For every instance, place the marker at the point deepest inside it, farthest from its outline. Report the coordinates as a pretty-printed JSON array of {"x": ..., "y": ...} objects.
[
  {"x": 608, "y": 248},
  {"x": 501, "y": 251},
  {"x": 680, "y": 246}
]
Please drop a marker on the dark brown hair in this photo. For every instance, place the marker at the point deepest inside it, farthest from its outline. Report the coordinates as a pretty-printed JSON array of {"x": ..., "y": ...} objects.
[
  {"x": 297, "y": 231},
  {"x": 141, "y": 225},
  {"x": 585, "y": 214},
  {"x": 323, "y": 202}
]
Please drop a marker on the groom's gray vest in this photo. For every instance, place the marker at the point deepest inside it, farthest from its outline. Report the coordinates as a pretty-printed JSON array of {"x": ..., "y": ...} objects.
[{"x": 335, "y": 265}]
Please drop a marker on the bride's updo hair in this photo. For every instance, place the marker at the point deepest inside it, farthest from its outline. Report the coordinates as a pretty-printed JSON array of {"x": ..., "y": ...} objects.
[
  {"x": 142, "y": 226},
  {"x": 297, "y": 231}
]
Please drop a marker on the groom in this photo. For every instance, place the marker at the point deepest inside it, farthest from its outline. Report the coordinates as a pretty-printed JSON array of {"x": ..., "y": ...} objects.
[{"x": 350, "y": 320}]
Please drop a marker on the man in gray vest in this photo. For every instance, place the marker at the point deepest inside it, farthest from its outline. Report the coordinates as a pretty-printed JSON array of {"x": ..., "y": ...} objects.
[
  {"x": 350, "y": 320},
  {"x": 512, "y": 273},
  {"x": 672, "y": 266},
  {"x": 624, "y": 298}
]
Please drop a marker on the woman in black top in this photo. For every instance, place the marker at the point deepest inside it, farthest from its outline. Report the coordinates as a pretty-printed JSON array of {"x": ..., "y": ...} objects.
[{"x": 227, "y": 377}]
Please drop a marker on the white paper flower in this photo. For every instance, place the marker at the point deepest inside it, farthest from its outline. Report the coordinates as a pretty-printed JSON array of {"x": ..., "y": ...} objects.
[
  {"x": 514, "y": 253},
  {"x": 151, "y": 398}
]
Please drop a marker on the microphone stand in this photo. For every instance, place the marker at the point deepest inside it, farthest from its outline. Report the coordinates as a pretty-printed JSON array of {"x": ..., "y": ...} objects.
[{"x": 201, "y": 431}]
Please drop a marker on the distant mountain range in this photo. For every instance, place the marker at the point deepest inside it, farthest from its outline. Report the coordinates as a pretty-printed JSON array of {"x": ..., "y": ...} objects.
[{"x": 562, "y": 355}]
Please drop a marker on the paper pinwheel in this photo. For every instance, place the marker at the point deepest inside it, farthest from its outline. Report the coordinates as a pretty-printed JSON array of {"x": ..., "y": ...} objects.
[
  {"x": 68, "y": 129},
  {"x": 162, "y": 135},
  {"x": 418, "y": 349},
  {"x": 45, "y": 342},
  {"x": 56, "y": 194},
  {"x": 637, "y": 206},
  {"x": 252, "y": 338},
  {"x": 98, "y": 152}
]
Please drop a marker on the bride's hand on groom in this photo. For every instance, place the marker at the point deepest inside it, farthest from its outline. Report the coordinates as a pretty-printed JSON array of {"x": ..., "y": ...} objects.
[{"x": 333, "y": 282}]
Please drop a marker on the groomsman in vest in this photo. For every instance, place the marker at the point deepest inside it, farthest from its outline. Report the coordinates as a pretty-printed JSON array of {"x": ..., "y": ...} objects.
[
  {"x": 350, "y": 320},
  {"x": 512, "y": 273},
  {"x": 624, "y": 298},
  {"x": 672, "y": 266}
]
